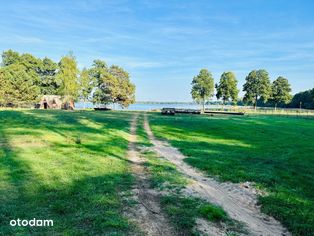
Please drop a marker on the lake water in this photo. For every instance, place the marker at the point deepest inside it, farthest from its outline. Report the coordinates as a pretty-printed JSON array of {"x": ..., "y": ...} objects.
[{"x": 145, "y": 106}]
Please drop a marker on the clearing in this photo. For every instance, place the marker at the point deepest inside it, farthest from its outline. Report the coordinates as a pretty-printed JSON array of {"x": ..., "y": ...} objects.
[{"x": 105, "y": 173}]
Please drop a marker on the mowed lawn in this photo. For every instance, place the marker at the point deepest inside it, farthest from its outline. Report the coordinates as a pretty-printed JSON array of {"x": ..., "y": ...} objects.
[
  {"x": 277, "y": 153},
  {"x": 69, "y": 167}
]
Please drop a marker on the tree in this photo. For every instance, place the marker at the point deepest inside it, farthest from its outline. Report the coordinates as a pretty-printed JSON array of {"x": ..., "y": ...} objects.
[
  {"x": 48, "y": 82},
  {"x": 17, "y": 86},
  {"x": 67, "y": 77},
  {"x": 85, "y": 85},
  {"x": 125, "y": 90},
  {"x": 32, "y": 66},
  {"x": 5, "y": 88},
  {"x": 113, "y": 85},
  {"x": 99, "y": 72},
  {"x": 257, "y": 86},
  {"x": 107, "y": 90},
  {"x": 227, "y": 88},
  {"x": 31, "y": 63},
  {"x": 202, "y": 87},
  {"x": 43, "y": 72},
  {"x": 303, "y": 100},
  {"x": 280, "y": 91},
  {"x": 10, "y": 57}
]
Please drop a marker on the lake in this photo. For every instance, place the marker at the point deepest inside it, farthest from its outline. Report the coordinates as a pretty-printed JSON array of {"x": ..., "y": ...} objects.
[{"x": 146, "y": 106}]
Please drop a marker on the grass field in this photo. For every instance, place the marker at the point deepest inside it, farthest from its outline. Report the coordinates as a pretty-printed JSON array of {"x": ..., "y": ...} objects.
[
  {"x": 66, "y": 166},
  {"x": 277, "y": 153},
  {"x": 71, "y": 167}
]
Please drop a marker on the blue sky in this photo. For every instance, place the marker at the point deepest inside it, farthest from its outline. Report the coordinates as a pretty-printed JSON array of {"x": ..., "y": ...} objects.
[{"x": 163, "y": 44}]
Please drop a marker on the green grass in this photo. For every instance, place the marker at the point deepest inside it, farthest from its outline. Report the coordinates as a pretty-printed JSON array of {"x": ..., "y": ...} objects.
[
  {"x": 182, "y": 210},
  {"x": 274, "y": 152},
  {"x": 66, "y": 166},
  {"x": 163, "y": 173}
]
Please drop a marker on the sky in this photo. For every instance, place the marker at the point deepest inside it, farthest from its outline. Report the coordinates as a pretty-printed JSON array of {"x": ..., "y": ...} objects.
[{"x": 164, "y": 44}]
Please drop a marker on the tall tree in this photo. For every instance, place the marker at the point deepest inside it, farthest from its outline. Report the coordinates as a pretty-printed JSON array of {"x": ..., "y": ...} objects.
[
  {"x": 85, "y": 85},
  {"x": 113, "y": 85},
  {"x": 17, "y": 85},
  {"x": 32, "y": 66},
  {"x": 281, "y": 90},
  {"x": 125, "y": 94},
  {"x": 99, "y": 73},
  {"x": 68, "y": 79},
  {"x": 257, "y": 86},
  {"x": 227, "y": 87},
  {"x": 31, "y": 63},
  {"x": 202, "y": 87},
  {"x": 48, "y": 82}
]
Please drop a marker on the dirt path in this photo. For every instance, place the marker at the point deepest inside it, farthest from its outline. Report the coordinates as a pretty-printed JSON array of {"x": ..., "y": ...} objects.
[
  {"x": 146, "y": 214},
  {"x": 238, "y": 200}
]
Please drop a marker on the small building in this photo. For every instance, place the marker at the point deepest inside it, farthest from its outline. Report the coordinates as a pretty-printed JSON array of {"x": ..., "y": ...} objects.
[{"x": 50, "y": 102}]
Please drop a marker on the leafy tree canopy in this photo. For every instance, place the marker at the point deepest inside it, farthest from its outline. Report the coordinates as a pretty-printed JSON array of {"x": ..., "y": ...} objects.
[
  {"x": 281, "y": 90},
  {"x": 85, "y": 84},
  {"x": 45, "y": 77},
  {"x": 303, "y": 99},
  {"x": 17, "y": 86},
  {"x": 227, "y": 87},
  {"x": 67, "y": 77},
  {"x": 48, "y": 83},
  {"x": 112, "y": 85},
  {"x": 202, "y": 87},
  {"x": 10, "y": 57},
  {"x": 257, "y": 86}
]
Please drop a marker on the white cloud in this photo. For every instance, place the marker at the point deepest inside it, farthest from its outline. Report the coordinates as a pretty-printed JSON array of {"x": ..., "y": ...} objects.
[{"x": 27, "y": 39}]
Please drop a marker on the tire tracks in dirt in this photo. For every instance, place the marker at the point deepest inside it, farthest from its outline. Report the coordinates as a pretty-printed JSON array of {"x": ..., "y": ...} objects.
[
  {"x": 238, "y": 201},
  {"x": 147, "y": 213}
]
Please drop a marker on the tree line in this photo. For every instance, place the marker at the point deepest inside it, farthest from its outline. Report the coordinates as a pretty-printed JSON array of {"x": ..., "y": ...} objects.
[
  {"x": 258, "y": 90},
  {"x": 303, "y": 99},
  {"x": 25, "y": 78}
]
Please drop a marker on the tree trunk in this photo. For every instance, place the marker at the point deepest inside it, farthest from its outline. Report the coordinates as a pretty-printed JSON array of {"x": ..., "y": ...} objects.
[
  {"x": 71, "y": 104},
  {"x": 255, "y": 104},
  {"x": 203, "y": 105},
  {"x": 275, "y": 106}
]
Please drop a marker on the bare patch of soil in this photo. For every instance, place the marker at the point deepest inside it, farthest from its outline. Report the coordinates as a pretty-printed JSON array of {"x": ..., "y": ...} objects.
[
  {"x": 238, "y": 200},
  {"x": 207, "y": 228}
]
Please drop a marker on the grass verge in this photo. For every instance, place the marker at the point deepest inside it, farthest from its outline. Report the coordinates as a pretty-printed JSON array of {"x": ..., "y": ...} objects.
[{"x": 274, "y": 152}]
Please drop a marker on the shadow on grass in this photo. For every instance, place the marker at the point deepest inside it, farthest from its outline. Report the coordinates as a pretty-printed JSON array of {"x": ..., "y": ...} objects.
[
  {"x": 88, "y": 206},
  {"x": 88, "y": 202},
  {"x": 274, "y": 152}
]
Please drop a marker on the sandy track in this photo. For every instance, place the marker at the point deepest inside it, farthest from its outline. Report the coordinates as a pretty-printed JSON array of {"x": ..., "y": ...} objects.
[
  {"x": 147, "y": 214},
  {"x": 239, "y": 201}
]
